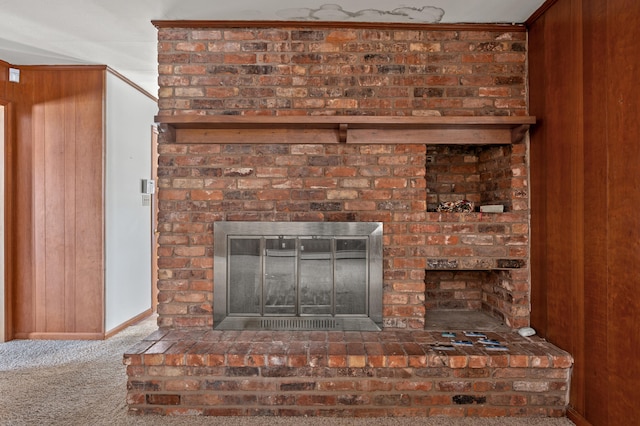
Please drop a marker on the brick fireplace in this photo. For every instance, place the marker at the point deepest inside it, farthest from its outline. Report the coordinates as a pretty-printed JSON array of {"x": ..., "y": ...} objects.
[
  {"x": 212, "y": 172},
  {"x": 296, "y": 72}
]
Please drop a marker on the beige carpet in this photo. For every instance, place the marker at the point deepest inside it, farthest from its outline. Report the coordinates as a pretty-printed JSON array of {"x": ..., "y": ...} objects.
[{"x": 84, "y": 383}]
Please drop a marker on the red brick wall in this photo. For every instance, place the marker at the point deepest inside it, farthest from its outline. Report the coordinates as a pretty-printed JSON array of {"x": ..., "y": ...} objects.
[
  {"x": 343, "y": 72},
  {"x": 459, "y": 290}
]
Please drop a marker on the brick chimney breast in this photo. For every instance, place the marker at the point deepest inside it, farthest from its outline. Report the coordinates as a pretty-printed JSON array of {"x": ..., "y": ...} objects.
[{"x": 348, "y": 72}]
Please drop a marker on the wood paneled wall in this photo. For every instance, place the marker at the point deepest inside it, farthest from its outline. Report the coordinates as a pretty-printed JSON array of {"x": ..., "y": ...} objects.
[
  {"x": 56, "y": 250},
  {"x": 585, "y": 186},
  {"x": 8, "y": 95}
]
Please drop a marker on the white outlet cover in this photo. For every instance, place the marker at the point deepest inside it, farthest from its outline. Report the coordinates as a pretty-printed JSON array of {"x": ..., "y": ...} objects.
[{"x": 14, "y": 75}]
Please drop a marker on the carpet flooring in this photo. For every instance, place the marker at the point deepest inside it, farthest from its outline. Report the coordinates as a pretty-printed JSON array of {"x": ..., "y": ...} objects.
[{"x": 44, "y": 382}]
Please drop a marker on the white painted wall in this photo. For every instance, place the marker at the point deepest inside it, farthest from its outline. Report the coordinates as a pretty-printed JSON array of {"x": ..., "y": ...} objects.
[
  {"x": 129, "y": 118},
  {"x": 2, "y": 283}
]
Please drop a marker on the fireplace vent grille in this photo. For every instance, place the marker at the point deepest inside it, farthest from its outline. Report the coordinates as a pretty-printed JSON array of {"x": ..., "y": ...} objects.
[{"x": 298, "y": 324}]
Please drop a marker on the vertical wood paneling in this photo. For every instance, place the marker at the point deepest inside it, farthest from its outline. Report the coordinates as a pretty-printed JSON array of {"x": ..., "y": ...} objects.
[
  {"x": 39, "y": 212},
  {"x": 538, "y": 182},
  {"x": 53, "y": 146},
  {"x": 585, "y": 158},
  {"x": 59, "y": 284},
  {"x": 22, "y": 256},
  {"x": 623, "y": 126},
  {"x": 7, "y": 117},
  {"x": 555, "y": 82},
  {"x": 7, "y": 205},
  {"x": 70, "y": 181},
  {"x": 593, "y": 403},
  {"x": 559, "y": 151},
  {"x": 89, "y": 202},
  {"x": 576, "y": 199}
]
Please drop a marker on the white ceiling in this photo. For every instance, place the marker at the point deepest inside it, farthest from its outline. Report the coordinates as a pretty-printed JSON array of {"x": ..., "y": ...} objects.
[{"x": 119, "y": 33}]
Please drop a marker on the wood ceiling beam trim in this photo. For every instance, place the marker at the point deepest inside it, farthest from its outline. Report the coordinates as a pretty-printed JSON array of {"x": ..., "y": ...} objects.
[{"x": 337, "y": 24}]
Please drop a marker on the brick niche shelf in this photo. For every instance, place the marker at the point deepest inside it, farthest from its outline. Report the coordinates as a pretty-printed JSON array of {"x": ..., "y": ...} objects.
[
  {"x": 476, "y": 241},
  {"x": 483, "y": 257},
  {"x": 478, "y": 261}
]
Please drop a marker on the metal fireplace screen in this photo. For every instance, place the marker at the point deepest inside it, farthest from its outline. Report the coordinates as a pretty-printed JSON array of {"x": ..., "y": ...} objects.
[{"x": 298, "y": 275}]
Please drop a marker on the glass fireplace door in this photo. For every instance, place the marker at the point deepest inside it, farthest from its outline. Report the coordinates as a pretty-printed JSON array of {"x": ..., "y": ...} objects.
[
  {"x": 280, "y": 295},
  {"x": 316, "y": 276},
  {"x": 351, "y": 276},
  {"x": 297, "y": 275},
  {"x": 245, "y": 273}
]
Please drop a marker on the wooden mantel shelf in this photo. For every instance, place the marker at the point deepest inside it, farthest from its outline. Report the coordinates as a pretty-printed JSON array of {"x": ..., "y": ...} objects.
[{"x": 348, "y": 129}]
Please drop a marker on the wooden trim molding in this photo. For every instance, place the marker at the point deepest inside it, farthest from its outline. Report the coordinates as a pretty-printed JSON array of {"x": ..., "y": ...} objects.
[
  {"x": 58, "y": 336},
  {"x": 538, "y": 13},
  {"x": 7, "y": 192},
  {"x": 577, "y": 418},
  {"x": 492, "y": 130},
  {"x": 132, "y": 84},
  {"x": 140, "y": 317},
  {"x": 61, "y": 67},
  {"x": 337, "y": 24}
]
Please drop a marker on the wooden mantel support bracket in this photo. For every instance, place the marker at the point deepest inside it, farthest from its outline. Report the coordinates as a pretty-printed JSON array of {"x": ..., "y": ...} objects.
[
  {"x": 518, "y": 132},
  {"x": 344, "y": 127},
  {"x": 492, "y": 130}
]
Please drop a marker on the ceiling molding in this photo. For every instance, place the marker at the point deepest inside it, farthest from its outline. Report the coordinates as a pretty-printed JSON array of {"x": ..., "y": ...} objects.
[
  {"x": 131, "y": 83},
  {"x": 60, "y": 67},
  {"x": 350, "y": 24}
]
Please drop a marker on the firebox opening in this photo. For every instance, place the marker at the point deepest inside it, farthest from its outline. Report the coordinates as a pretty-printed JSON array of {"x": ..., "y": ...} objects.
[{"x": 298, "y": 275}]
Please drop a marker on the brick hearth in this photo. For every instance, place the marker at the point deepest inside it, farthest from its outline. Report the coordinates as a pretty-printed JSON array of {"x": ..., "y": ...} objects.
[{"x": 344, "y": 374}]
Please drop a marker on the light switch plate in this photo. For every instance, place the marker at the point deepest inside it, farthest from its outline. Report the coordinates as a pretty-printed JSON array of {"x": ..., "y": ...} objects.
[{"x": 148, "y": 186}]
